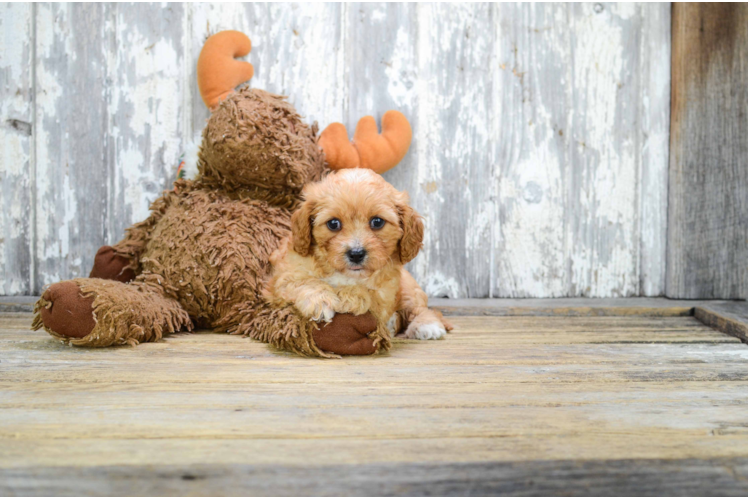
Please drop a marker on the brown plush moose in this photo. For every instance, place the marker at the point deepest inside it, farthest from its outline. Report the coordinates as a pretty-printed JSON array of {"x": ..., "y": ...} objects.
[{"x": 201, "y": 257}]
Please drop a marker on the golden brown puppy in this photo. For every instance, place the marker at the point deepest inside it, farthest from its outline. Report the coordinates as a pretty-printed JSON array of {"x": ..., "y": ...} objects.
[{"x": 349, "y": 241}]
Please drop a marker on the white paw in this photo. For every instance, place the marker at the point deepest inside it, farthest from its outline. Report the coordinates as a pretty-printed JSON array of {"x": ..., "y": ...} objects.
[
  {"x": 317, "y": 310},
  {"x": 425, "y": 331},
  {"x": 326, "y": 315}
]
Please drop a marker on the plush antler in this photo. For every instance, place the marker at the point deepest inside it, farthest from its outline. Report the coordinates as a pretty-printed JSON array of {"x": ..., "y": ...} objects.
[
  {"x": 217, "y": 70},
  {"x": 369, "y": 149}
]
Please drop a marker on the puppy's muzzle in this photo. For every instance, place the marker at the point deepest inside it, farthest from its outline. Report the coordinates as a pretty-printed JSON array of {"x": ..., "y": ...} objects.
[{"x": 356, "y": 255}]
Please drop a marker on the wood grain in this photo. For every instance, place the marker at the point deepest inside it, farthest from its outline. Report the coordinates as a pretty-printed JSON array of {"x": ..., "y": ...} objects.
[
  {"x": 539, "y": 155},
  {"x": 632, "y": 306},
  {"x": 688, "y": 477},
  {"x": 728, "y": 317},
  {"x": 615, "y": 404},
  {"x": 708, "y": 211}
]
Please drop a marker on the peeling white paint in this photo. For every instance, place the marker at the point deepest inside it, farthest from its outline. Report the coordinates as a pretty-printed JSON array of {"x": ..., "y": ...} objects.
[
  {"x": 438, "y": 285},
  {"x": 147, "y": 103},
  {"x": 400, "y": 75},
  {"x": 49, "y": 93},
  {"x": 15, "y": 148},
  {"x": 608, "y": 203},
  {"x": 655, "y": 120}
]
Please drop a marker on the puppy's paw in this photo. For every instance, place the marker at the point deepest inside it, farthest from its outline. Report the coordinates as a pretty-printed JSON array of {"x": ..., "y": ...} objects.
[
  {"x": 425, "y": 331},
  {"x": 326, "y": 314},
  {"x": 318, "y": 308}
]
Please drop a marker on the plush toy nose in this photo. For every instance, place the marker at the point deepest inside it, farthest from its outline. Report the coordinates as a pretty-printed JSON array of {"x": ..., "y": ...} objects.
[{"x": 356, "y": 255}]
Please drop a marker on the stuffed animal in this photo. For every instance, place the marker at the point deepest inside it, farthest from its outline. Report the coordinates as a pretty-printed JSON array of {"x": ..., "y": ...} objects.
[{"x": 200, "y": 258}]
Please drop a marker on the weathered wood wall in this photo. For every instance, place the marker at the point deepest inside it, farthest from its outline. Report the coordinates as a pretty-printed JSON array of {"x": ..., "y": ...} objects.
[
  {"x": 539, "y": 159},
  {"x": 708, "y": 208}
]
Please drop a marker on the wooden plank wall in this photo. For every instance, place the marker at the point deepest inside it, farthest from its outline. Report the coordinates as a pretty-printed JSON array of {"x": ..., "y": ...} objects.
[
  {"x": 708, "y": 208},
  {"x": 16, "y": 148},
  {"x": 541, "y": 130}
]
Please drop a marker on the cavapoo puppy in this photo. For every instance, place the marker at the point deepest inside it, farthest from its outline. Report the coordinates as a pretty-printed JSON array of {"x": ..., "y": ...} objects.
[{"x": 348, "y": 243}]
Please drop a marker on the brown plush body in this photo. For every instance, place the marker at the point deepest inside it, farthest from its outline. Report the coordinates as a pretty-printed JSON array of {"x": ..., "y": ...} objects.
[{"x": 201, "y": 257}]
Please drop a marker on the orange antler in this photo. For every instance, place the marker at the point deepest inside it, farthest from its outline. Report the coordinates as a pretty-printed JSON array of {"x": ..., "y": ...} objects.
[
  {"x": 369, "y": 149},
  {"x": 218, "y": 73}
]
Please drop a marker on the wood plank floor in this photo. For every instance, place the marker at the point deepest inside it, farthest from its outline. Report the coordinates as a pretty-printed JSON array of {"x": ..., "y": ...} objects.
[{"x": 504, "y": 405}]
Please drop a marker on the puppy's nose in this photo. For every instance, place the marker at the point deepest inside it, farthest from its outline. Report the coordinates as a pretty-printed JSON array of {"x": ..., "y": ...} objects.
[{"x": 356, "y": 255}]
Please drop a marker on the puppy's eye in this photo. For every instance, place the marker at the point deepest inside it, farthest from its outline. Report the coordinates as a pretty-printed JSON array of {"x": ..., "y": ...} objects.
[
  {"x": 334, "y": 225},
  {"x": 376, "y": 223}
]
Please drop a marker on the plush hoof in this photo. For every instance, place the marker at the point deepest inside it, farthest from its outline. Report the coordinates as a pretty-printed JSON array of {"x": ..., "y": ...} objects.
[
  {"x": 110, "y": 266},
  {"x": 68, "y": 314},
  {"x": 347, "y": 334}
]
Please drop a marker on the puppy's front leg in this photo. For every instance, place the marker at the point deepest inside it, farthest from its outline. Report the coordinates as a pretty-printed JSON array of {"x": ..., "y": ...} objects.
[
  {"x": 353, "y": 299},
  {"x": 422, "y": 323}
]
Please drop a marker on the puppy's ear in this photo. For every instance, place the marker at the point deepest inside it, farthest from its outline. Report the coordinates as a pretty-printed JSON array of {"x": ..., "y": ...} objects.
[
  {"x": 412, "y": 240},
  {"x": 301, "y": 229}
]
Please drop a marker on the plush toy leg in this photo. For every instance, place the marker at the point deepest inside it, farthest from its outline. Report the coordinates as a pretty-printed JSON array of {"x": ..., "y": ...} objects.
[
  {"x": 285, "y": 329},
  {"x": 98, "y": 313},
  {"x": 110, "y": 265},
  {"x": 350, "y": 335}
]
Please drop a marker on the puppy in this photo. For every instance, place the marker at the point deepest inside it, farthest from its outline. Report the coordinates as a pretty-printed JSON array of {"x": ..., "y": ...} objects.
[{"x": 348, "y": 243}]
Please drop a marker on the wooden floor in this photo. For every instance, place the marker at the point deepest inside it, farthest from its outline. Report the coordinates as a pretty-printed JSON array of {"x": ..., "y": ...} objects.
[{"x": 504, "y": 405}]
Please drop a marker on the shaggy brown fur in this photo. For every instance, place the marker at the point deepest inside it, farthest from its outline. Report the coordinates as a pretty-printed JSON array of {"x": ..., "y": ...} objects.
[
  {"x": 124, "y": 314},
  {"x": 201, "y": 257}
]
